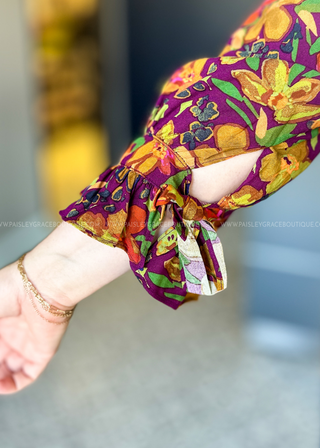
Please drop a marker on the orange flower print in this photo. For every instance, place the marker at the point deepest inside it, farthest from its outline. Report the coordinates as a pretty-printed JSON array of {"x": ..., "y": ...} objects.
[
  {"x": 152, "y": 155},
  {"x": 184, "y": 77},
  {"x": 97, "y": 226},
  {"x": 94, "y": 223},
  {"x": 137, "y": 218},
  {"x": 136, "y": 221},
  {"x": 246, "y": 196},
  {"x": 289, "y": 103},
  {"x": 318, "y": 62},
  {"x": 168, "y": 193},
  {"x": 275, "y": 21},
  {"x": 132, "y": 249}
]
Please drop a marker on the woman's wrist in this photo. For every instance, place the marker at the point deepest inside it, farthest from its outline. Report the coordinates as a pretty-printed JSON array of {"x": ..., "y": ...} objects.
[
  {"x": 48, "y": 274},
  {"x": 68, "y": 266}
]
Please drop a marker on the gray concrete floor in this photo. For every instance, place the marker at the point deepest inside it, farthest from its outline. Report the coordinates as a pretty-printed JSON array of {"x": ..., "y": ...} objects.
[{"x": 132, "y": 373}]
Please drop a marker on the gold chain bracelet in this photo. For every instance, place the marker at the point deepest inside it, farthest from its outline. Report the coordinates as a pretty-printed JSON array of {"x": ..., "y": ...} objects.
[{"x": 30, "y": 288}]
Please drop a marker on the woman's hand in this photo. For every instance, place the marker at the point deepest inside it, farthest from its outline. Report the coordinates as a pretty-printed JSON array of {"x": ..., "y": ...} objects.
[
  {"x": 65, "y": 268},
  {"x": 27, "y": 342}
]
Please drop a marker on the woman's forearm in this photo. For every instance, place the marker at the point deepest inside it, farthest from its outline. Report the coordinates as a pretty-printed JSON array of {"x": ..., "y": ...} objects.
[{"x": 68, "y": 266}]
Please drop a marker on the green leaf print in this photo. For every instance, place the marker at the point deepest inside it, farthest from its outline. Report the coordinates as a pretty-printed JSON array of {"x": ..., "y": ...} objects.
[
  {"x": 315, "y": 47},
  {"x": 149, "y": 203},
  {"x": 153, "y": 220},
  {"x": 227, "y": 88},
  {"x": 250, "y": 106},
  {"x": 253, "y": 62},
  {"x": 276, "y": 135},
  {"x": 254, "y": 167},
  {"x": 295, "y": 71},
  {"x": 240, "y": 112},
  {"x": 161, "y": 112},
  {"x": 308, "y": 37},
  {"x": 174, "y": 296},
  {"x": 184, "y": 261},
  {"x": 137, "y": 143},
  {"x": 308, "y": 5},
  {"x": 145, "y": 244},
  {"x": 177, "y": 179},
  {"x": 183, "y": 107},
  {"x": 295, "y": 45},
  {"x": 311, "y": 74},
  {"x": 314, "y": 138},
  {"x": 162, "y": 281},
  {"x": 191, "y": 278},
  {"x": 209, "y": 234}
]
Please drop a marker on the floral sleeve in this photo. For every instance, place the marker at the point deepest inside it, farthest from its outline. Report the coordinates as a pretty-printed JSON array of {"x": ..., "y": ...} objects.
[{"x": 261, "y": 92}]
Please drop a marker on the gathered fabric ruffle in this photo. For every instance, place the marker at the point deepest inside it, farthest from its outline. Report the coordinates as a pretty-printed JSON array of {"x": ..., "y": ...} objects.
[{"x": 123, "y": 208}]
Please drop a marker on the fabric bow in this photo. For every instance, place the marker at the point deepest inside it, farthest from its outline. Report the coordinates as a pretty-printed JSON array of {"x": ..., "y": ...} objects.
[
  {"x": 187, "y": 259},
  {"x": 200, "y": 253}
]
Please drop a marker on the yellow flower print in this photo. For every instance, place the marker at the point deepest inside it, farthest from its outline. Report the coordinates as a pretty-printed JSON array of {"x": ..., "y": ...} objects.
[
  {"x": 116, "y": 222},
  {"x": 192, "y": 211},
  {"x": 289, "y": 103},
  {"x": 231, "y": 136},
  {"x": 202, "y": 156},
  {"x": 275, "y": 21},
  {"x": 231, "y": 60},
  {"x": 284, "y": 164},
  {"x": 166, "y": 133},
  {"x": 184, "y": 77}
]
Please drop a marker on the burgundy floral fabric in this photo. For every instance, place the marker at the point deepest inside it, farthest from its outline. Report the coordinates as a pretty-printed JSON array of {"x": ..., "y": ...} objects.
[{"x": 261, "y": 92}]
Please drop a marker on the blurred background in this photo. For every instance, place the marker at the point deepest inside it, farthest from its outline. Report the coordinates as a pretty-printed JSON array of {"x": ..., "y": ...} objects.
[{"x": 78, "y": 79}]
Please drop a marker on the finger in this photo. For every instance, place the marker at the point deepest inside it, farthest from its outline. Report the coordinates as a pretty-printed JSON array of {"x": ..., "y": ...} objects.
[
  {"x": 33, "y": 370},
  {"x": 4, "y": 350},
  {"x": 14, "y": 382},
  {"x": 21, "y": 380},
  {"x": 7, "y": 386},
  {"x": 4, "y": 371},
  {"x": 11, "y": 382},
  {"x": 14, "y": 361}
]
